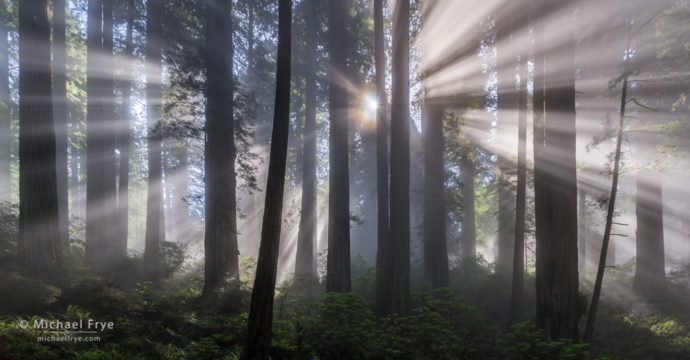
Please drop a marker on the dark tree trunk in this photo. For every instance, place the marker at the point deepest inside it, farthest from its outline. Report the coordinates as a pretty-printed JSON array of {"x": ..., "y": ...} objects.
[
  {"x": 518, "y": 281},
  {"x": 109, "y": 139},
  {"x": 435, "y": 250},
  {"x": 154, "y": 89},
  {"x": 220, "y": 241},
  {"x": 258, "y": 339},
  {"x": 95, "y": 166},
  {"x": 5, "y": 134},
  {"x": 469, "y": 232},
  {"x": 124, "y": 141},
  {"x": 101, "y": 188},
  {"x": 556, "y": 264},
  {"x": 383, "y": 240},
  {"x": 650, "y": 273},
  {"x": 400, "y": 163},
  {"x": 304, "y": 263},
  {"x": 338, "y": 262},
  {"x": 60, "y": 115},
  {"x": 39, "y": 239}
]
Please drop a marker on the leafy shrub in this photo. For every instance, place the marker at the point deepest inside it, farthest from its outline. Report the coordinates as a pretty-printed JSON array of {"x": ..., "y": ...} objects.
[{"x": 525, "y": 342}]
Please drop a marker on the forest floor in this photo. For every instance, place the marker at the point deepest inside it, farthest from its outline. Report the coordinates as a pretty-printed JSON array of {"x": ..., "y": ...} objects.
[{"x": 465, "y": 321}]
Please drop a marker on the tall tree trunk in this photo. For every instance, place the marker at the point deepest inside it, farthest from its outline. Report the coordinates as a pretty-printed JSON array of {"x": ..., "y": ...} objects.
[
  {"x": 304, "y": 263},
  {"x": 338, "y": 262},
  {"x": 650, "y": 272},
  {"x": 109, "y": 139},
  {"x": 60, "y": 115},
  {"x": 220, "y": 241},
  {"x": 39, "y": 240},
  {"x": 556, "y": 264},
  {"x": 5, "y": 132},
  {"x": 469, "y": 232},
  {"x": 124, "y": 140},
  {"x": 383, "y": 240},
  {"x": 400, "y": 163},
  {"x": 154, "y": 90},
  {"x": 95, "y": 187},
  {"x": 435, "y": 250},
  {"x": 258, "y": 339},
  {"x": 518, "y": 281}
]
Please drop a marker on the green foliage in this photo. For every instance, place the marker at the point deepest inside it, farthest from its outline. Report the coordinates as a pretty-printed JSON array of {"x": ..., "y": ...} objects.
[{"x": 525, "y": 342}]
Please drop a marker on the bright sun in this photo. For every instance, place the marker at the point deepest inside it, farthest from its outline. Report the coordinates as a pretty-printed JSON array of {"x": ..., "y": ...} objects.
[{"x": 371, "y": 103}]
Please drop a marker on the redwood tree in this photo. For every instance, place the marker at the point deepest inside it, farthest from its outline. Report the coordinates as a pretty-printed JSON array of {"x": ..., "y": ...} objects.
[
  {"x": 338, "y": 262},
  {"x": 155, "y": 221},
  {"x": 435, "y": 250},
  {"x": 258, "y": 340},
  {"x": 39, "y": 239},
  {"x": 4, "y": 108},
  {"x": 400, "y": 163},
  {"x": 220, "y": 241},
  {"x": 556, "y": 192},
  {"x": 383, "y": 238},
  {"x": 304, "y": 263}
]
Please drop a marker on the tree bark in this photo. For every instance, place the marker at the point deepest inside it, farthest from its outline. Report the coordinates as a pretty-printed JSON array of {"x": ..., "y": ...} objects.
[
  {"x": 383, "y": 240},
  {"x": 220, "y": 241},
  {"x": 5, "y": 137},
  {"x": 400, "y": 163},
  {"x": 124, "y": 140},
  {"x": 435, "y": 250},
  {"x": 556, "y": 264},
  {"x": 95, "y": 166},
  {"x": 304, "y": 263},
  {"x": 258, "y": 339},
  {"x": 39, "y": 240},
  {"x": 338, "y": 261},
  {"x": 469, "y": 232},
  {"x": 60, "y": 115},
  {"x": 154, "y": 89},
  {"x": 516, "y": 301}
]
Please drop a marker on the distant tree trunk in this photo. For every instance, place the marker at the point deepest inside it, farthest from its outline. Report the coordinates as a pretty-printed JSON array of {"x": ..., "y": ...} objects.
[
  {"x": 519, "y": 244},
  {"x": 338, "y": 262},
  {"x": 154, "y": 90},
  {"x": 400, "y": 162},
  {"x": 556, "y": 263},
  {"x": 469, "y": 232},
  {"x": 60, "y": 115},
  {"x": 304, "y": 263},
  {"x": 39, "y": 239},
  {"x": 507, "y": 106},
  {"x": 582, "y": 232},
  {"x": 383, "y": 241},
  {"x": 109, "y": 139},
  {"x": 95, "y": 143},
  {"x": 650, "y": 272},
  {"x": 220, "y": 241},
  {"x": 261, "y": 312},
  {"x": 5, "y": 137},
  {"x": 435, "y": 250},
  {"x": 124, "y": 140}
]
